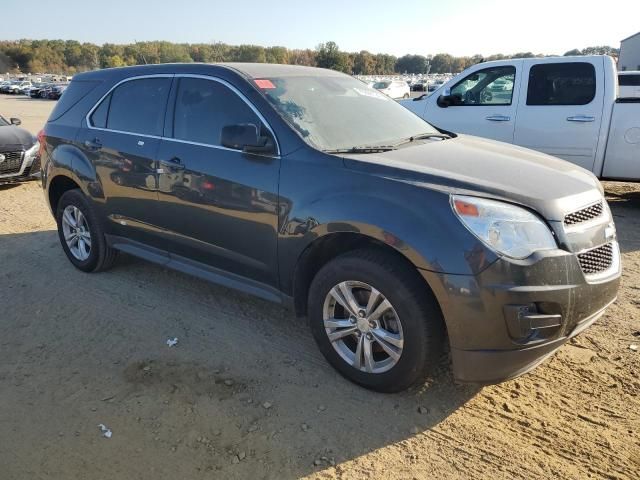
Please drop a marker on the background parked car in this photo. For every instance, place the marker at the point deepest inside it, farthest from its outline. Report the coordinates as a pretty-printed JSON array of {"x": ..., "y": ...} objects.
[
  {"x": 629, "y": 84},
  {"x": 57, "y": 91},
  {"x": 18, "y": 151},
  {"x": 393, "y": 88}
]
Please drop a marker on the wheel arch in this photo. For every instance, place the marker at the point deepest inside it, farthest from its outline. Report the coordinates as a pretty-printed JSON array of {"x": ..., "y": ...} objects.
[{"x": 328, "y": 247}]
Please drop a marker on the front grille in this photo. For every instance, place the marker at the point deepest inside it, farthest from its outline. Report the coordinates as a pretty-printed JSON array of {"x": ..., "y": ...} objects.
[
  {"x": 588, "y": 213},
  {"x": 12, "y": 162},
  {"x": 597, "y": 259}
]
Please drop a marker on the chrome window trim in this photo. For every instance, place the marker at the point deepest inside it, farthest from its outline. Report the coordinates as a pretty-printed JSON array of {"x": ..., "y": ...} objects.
[{"x": 162, "y": 137}]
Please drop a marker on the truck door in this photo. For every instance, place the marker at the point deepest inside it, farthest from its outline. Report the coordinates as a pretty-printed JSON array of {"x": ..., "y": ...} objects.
[
  {"x": 560, "y": 108},
  {"x": 483, "y": 103}
]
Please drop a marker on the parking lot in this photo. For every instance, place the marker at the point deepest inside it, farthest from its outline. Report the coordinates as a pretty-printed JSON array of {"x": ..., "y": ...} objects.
[{"x": 246, "y": 394}]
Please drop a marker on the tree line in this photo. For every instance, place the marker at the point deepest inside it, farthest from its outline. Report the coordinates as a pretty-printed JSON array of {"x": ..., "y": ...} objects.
[{"x": 70, "y": 56}]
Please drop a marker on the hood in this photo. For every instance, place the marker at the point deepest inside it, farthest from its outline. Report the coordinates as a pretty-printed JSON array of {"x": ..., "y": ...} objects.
[
  {"x": 477, "y": 166},
  {"x": 15, "y": 138}
]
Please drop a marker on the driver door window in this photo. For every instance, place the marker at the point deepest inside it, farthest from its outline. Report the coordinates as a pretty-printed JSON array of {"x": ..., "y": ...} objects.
[{"x": 491, "y": 86}]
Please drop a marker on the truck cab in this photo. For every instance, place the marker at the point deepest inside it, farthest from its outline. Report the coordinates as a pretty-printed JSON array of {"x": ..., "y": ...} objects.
[{"x": 563, "y": 106}]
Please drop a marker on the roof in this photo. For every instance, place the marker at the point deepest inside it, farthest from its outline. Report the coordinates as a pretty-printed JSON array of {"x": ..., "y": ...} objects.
[
  {"x": 250, "y": 70},
  {"x": 258, "y": 70},
  {"x": 625, "y": 39}
]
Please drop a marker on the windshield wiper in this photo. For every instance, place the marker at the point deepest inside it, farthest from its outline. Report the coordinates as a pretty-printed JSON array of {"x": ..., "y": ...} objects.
[
  {"x": 363, "y": 149},
  {"x": 422, "y": 136}
]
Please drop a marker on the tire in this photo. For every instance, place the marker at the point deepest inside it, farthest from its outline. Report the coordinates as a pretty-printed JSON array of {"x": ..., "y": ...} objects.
[
  {"x": 406, "y": 95},
  {"x": 421, "y": 326},
  {"x": 100, "y": 255}
]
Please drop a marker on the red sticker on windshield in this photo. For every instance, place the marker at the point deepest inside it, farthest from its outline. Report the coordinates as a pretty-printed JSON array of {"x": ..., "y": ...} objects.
[{"x": 264, "y": 83}]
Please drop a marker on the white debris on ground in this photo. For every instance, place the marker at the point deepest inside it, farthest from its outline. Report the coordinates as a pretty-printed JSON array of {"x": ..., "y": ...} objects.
[
  {"x": 172, "y": 342},
  {"x": 633, "y": 347},
  {"x": 106, "y": 432}
]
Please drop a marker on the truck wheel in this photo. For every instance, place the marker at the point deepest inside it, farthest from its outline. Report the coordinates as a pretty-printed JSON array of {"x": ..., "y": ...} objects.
[
  {"x": 81, "y": 234},
  {"x": 375, "y": 320}
]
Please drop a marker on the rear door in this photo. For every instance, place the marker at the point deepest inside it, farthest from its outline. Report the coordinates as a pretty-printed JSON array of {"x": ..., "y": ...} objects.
[
  {"x": 218, "y": 205},
  {"x": 122, "y": 139},
  {"x": 561, "y": 108},
  {"x": 484, "y": 103}
]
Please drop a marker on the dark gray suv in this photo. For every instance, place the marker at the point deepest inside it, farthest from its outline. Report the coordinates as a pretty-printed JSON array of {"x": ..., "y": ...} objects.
[{"x": 306, "y": 187}]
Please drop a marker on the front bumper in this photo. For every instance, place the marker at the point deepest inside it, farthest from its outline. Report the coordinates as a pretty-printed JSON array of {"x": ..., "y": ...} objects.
[
  {"x": 478, "y": 311},
  {"x": 29, "y": 171}
]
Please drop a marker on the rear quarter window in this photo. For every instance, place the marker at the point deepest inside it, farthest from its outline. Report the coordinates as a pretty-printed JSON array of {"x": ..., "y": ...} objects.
[{"x": 76, "y": 91}]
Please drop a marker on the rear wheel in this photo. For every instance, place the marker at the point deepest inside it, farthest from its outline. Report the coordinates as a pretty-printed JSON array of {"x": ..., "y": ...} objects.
[
  {"x": 81, "y": 234},
  {"x": 375, "y": 321}
]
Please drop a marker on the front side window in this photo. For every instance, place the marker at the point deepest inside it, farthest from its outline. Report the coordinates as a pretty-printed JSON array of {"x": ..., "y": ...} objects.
[
  {"x": 336, "y": 111},
  {"x": 561, "y": 84},
  {"x": 203, "y": 107},
  {"x": 136, "y": 106},
  {"x": 491, "y": 86}
]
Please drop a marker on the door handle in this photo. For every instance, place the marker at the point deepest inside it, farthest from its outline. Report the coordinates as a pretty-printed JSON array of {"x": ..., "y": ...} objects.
[
  {"x": 173, "y": 164},
  {"x": 498, "y": 118},
  {"x": 93, "y": 145},
  {"x": 581, "y": 118}
]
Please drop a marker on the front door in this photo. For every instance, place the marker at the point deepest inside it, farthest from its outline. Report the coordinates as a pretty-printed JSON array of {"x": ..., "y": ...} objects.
[
  {"x": 561, "y": 108},
  {"x": 484, "y": 103},
  {"x": 218, "y": 205},
  {"x": 121, "y": 139}
]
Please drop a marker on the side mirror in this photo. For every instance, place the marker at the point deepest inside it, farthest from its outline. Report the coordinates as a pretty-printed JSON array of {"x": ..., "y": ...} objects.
[
  {"x": 246, "y": 137},
  {"x": 444, "y": 101},
  {"x": 15, "y": 121}
]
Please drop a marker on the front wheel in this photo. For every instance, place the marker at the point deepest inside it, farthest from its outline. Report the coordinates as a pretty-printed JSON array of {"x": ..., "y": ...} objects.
[
  {"x": 375, "y": 320},
  {"x": 406, "y": 95}
]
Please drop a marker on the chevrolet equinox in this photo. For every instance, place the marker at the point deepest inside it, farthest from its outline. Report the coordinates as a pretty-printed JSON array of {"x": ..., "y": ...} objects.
[{"x": 306, "y": 187}]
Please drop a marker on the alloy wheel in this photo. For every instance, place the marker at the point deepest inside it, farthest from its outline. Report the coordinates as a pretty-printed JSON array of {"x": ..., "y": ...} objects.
[
  {"x": 76, "y": 232},
  {"x": 363, "y": 327}
]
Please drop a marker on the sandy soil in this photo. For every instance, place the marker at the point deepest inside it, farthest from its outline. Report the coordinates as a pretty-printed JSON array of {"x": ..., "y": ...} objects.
[{"x": 245, "y": 393}]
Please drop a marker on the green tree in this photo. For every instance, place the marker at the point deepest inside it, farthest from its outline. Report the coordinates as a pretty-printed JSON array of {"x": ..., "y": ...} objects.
[
  {"x": 328, "y": 55},
  {"x": 412, "y": 64}
]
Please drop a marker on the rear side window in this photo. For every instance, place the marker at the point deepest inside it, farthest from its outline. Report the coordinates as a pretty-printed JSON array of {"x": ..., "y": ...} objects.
[
  {"x": 629, "y": 80},
  {"x": 76, "y": 91},
  {"x": 203, "y": 107},
  {"x": 561, "y": 84},
  {"x": 99, "y": 115},
  {"x": 136, "y": 106}
]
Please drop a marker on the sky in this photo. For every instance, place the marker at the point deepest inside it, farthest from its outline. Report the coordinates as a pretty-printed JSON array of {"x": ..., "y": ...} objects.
[{"x": 458, "y": 27}]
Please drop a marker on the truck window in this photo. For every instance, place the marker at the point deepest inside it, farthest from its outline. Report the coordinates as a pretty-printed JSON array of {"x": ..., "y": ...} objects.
[
  {"x": 629, "y": 80},
  {"x": 561, "y": 84},
  {"x": 491, "y": 86}
]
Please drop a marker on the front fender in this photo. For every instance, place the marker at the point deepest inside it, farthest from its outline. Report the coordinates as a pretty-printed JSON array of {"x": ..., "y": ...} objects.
[{"x": 416, "y": 221}]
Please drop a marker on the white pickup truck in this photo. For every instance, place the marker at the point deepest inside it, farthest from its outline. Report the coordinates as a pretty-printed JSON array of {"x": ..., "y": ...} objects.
[{"x": 564, "y": 106}]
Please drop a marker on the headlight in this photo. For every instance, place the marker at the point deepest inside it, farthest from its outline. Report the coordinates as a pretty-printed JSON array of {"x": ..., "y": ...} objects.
[
  {"x": 32, "y": 153},
  {"x": 505, "y": 228}
]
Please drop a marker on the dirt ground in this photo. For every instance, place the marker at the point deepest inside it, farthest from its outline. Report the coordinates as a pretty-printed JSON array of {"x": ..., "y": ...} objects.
[{"x": 246, "y": 394}]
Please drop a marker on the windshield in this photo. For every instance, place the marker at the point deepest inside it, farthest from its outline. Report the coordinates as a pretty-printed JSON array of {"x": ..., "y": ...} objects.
[{"x": 340, "y": 112}]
